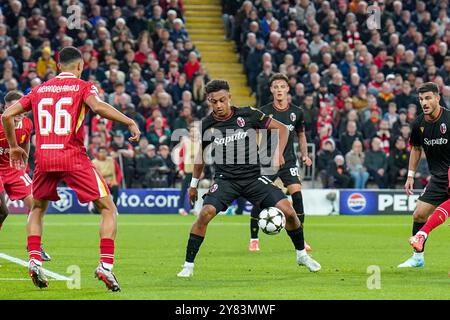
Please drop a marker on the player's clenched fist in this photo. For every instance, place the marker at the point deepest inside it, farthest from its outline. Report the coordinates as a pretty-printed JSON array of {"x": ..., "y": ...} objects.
[{"x": 193, "y": 195}]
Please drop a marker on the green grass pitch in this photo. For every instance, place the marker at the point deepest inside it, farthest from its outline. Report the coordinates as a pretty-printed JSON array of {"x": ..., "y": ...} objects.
[{"x": 150, "y": 250}]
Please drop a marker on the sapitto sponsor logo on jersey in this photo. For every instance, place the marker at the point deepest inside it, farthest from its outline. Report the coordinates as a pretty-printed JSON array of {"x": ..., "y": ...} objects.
[
  {"x": 435, "y": 142},
  {"x": 356, "y": 202},
  {"x": 231, "y": 138},
  {"x": 290, "y": 127}
]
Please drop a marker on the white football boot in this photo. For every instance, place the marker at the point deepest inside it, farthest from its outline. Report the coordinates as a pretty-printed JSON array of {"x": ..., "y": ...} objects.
[{"x": 187, "y": 271}]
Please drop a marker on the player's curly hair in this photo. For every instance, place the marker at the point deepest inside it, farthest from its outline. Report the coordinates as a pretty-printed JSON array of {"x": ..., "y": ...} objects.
[{"x": 217, "y": 85}]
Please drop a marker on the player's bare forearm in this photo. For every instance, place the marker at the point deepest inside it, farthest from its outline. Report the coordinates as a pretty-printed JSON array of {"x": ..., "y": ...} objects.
[
  {"x": 414, "y": 158},
  {"x": 303, "y": 144},
  {"x": 8, "y": 123},
  {"x": 197, "y": 171},
  {"x": 108, "y": 111}
]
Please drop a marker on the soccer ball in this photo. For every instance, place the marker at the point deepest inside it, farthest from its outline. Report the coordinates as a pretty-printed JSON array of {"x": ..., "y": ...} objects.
[{"x": 271, "y": 220}]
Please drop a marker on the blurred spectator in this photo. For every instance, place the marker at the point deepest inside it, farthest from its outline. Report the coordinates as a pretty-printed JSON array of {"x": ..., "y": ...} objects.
[
  {"x": 337, "y": 175},
  {"x": 326, "y": 155},
  {"x": 355, "y": 165},
  {"x": 110, "y": 171},
  {"x": 349, "y": 137},
  {"x": 376, "y": 162},
  {"x": 164, "y": 153},
  {"x": 45, "y": 63},
  {"x": 151, "y": 171},
  {"x": 192, "y": 66},
  {"x": 397, "y": 162},
  {"x": 158, "y": 134}
]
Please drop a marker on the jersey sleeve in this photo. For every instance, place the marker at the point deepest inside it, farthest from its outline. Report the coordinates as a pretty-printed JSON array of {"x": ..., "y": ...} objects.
[
  {"x": 89, "y": 90},
  {"x": 415, "y": 138},
  {"x": 259, "y": 119},
  {"x": 26, "y": 101},
  {"x": 300, "y": 123}
]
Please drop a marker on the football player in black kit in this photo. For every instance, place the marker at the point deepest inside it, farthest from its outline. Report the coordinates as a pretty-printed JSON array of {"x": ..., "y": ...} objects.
[
  {"x": 230, "y": 133},
  {"x": 430, "y": 132},
  {"x": 292, "y": 117}
]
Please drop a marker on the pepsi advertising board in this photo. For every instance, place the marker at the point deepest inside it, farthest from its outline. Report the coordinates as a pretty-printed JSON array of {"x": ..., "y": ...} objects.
[{"x": 357, "y": 202}]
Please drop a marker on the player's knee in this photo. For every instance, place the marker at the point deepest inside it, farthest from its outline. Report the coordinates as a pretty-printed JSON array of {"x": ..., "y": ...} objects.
[
  {"x": 206, "y": 215},
  {"x": 420, "y": 216}
]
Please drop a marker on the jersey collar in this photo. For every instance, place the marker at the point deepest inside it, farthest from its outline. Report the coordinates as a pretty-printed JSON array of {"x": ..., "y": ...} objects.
[
  {"x": 278, "y": 109},
  {"x": 227, "y": 118},
  {"x": 65, "y": 75},
  {"x": 427, "y": 119}
]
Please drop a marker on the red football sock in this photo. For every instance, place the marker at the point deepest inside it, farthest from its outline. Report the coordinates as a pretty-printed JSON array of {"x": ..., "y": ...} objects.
[
  {"x": 107, "y": 251},
  {"x": 437, "y": 218},
  {"x": 34, "y": 247}
]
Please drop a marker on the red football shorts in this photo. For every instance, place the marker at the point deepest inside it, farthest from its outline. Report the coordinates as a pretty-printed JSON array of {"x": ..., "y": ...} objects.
[
  {"x": 88, "y": 184},
  {"x": 16, "y": 183}
]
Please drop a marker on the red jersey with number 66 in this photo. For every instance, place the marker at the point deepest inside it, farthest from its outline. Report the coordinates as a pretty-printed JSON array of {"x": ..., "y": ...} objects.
[
  {"x": 59, "y": 110},
  {"x": 23, "y": 134}
]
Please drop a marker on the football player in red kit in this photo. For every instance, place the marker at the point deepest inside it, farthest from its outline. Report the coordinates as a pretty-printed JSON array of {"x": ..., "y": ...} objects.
[
  {"x": 59, "y": 107},
  {"x": 16, "y": 183}
]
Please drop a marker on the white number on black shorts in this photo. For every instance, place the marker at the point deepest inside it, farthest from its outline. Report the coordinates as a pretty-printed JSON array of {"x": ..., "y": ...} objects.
[
  {"x": 265, "y": 180},
  {"x": 294, "y": 172},
  {"x": 26, "y": 178}
]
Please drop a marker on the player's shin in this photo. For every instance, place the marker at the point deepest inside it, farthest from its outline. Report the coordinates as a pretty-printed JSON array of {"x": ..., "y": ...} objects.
[
  {"x": 254, "y": 228},
  {"x": 3, "y": 209},
  {"x": 297, "y": 203}
]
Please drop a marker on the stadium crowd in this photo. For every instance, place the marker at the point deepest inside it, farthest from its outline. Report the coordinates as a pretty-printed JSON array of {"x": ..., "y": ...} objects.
[
  {"x": 142, "y": 61},
  {"x": 356, "y": 86}
]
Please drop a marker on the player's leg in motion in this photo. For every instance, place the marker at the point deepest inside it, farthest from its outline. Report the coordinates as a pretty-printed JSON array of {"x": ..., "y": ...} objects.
[
  {"x": 254, "y": 228},
  {"x": 439, "y": 216},
  {"x": 108, "y": 230},
  {"x": 421, "y": 213},
  {"x": 28, "y": 201},
  {"x": 295, "y": 191},
  {"x": 295, "y": 232},
  {"x": 34, "y": 231},
  {"x": 3, "y": 209},
  {"x": 196, "y": 237}
]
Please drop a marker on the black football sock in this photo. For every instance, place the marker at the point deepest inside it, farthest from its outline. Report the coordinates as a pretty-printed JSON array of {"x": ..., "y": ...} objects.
[
  {"x": 297, "y": 203},
  {"x": 193, "y": 246},
  {"x": 416, "y": 228},
  {"x": 254, "y": 227},
  {"x": 297, "y": 238}
]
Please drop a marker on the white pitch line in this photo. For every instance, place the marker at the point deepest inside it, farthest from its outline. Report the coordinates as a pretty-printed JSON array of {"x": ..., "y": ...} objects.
[{"x": 21, "y": 262}]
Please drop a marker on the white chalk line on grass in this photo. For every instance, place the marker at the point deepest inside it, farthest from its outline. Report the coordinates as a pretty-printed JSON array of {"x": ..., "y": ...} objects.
[{"x": 23, "y": 263}]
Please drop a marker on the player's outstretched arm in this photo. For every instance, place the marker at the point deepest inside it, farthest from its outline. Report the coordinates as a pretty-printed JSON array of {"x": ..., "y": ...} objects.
[
  {"x": 414, "y": 159},
  {"x": 283, "y": 138},
  {"x": 17, "y": 155},
  {"x": 109, "y": 112}
]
